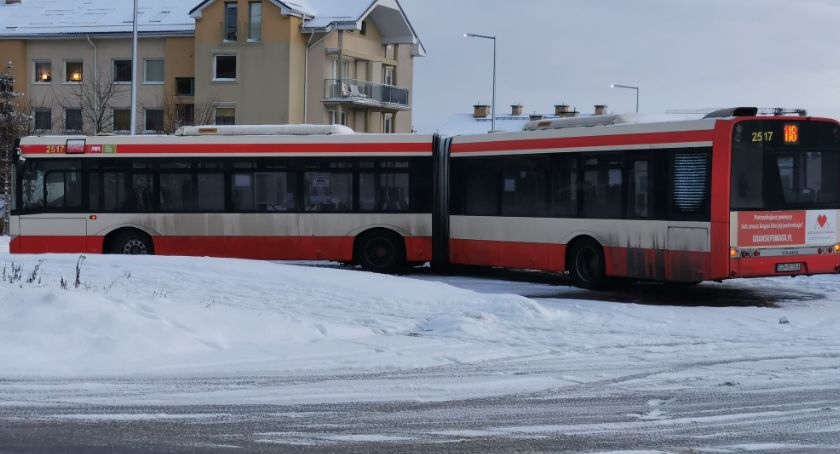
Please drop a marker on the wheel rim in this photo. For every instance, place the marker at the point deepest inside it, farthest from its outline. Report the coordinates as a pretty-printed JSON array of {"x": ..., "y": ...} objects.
[
  {"x": 135, "y": 246},
  {"x": 379, "y": 253},
  {"x": 587, "y": 264}
]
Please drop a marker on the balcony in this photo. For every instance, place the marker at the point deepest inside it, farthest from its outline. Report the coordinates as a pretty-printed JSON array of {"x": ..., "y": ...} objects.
[{"x": 366, "y": 94}]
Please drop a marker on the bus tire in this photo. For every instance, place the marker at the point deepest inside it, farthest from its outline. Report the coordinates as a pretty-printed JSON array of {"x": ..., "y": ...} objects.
[
  {"x": 380, "y": 251},
  {"x": 132, "y": 242},
  {"x": 586, "y": 264}
]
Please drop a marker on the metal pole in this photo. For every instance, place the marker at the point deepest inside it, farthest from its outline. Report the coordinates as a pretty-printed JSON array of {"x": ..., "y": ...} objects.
[
  {"x": 134, "y": 74},
  {"x": 637, "y": 100},
  {"x": 494, "y": 86},
  {"x": 493, "y": 107}
]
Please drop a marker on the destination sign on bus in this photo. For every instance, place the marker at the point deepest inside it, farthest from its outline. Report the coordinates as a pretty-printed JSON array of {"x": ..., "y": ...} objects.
[
  {"x": 792, "y": 134},
  {"x": 760, "y": 133}
]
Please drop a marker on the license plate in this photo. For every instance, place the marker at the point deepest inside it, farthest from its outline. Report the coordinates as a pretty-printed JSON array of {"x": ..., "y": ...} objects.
[{"x": 788, "y": 267}]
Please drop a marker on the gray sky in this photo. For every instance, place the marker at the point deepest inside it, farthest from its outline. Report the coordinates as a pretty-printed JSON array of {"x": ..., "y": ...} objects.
[{"x": 684, "y": 54}]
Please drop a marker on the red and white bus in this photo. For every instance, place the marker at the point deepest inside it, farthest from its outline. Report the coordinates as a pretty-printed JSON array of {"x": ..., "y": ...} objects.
[
  {"x": 732, "y": 195},
  {"x": 246, "y": 192}
]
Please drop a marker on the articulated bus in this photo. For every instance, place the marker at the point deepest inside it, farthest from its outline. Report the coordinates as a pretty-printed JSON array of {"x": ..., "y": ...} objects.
[{"x": 732, "y": 195}]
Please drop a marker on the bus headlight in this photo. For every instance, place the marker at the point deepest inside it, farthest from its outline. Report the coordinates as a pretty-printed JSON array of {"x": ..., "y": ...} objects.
[
  {"x": 733, "y": 253},
  {"x": 836, "y": 247}
]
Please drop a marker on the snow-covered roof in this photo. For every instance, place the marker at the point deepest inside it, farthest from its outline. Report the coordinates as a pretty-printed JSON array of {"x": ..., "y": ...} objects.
[
  {"x": 324, "y": 16},
  {"x": 56, "y": 17}
]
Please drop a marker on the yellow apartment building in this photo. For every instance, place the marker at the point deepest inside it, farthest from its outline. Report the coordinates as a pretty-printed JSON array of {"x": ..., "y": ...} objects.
[{"x": 216, "y": 62}]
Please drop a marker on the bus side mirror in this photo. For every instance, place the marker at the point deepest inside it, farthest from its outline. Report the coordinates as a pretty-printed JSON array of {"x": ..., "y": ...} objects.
[{"x": 16, "y": 157}]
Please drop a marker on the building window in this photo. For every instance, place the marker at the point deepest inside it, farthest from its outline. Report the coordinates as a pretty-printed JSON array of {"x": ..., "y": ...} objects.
[
  {"x": 185, "y": 114},
  {"x": 73, "y": 119},
  {"x": 154, "y": 72},
  {"x": 43, "y": 72},
  {"x": 43, "y": 119},
  {"x": 73, "y": 72},
  {"x": 224, "y": 67},
  {"x": 338, "y": 118},
  {"x": 388, "y": 75},
  {"x": 122, "y": 120},
  {"x": 184, "y": 86},
  {"x": 225, "y": 116},
  {"x": 254, "y": 21},
  {"x": 363, "y": 31},
  {"x": 230, "y": 22},
  {"x": 122, "y": 71},
  {"x": 154, "y": 120},
  {"x": 388, "y": 124}
]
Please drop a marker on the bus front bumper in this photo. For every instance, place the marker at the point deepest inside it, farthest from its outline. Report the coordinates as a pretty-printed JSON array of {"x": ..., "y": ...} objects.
[{"x": 802, "y": 265}]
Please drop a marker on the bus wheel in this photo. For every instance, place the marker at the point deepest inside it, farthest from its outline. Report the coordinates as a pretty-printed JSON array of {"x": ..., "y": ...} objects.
[
  {"x": 380, "y": 251},
  {"x": 586, "y": 265},
  {"x": 132, "y": 243}
]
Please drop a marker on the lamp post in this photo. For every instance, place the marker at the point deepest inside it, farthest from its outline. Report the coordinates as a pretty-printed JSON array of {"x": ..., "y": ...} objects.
[
  {"x": 493, "y": 106},
  {"x": 630, "y": 87}
]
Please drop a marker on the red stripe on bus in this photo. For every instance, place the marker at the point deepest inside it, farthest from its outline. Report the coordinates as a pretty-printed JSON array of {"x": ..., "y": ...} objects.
[
  {"x": 587, "y": 141},
  {"x": 418, "y": 249},
  {"x": 240, "y": 148},
  {"x": 25, "y": 244},
  {"x": 650, "y": 264}
]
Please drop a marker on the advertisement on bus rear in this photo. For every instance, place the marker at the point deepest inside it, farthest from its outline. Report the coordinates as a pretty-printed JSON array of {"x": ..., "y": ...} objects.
[{"x": 787, "y": 228}]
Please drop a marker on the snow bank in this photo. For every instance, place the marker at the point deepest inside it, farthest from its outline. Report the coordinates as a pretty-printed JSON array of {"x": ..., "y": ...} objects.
[
  {"x": 327, "y": 335},
  {"x": 170, "y": 314}
]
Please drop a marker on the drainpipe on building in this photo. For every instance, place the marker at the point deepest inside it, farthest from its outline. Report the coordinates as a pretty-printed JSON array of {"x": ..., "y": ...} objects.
[{"x": 340, "y": 68}]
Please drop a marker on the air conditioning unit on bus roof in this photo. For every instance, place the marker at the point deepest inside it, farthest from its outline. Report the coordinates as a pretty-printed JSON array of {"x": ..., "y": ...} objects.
[{"x": 264, "y": 130}]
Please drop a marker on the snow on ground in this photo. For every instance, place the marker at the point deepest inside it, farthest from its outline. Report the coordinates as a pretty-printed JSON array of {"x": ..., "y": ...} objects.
[{"x": 182, "y": 317}]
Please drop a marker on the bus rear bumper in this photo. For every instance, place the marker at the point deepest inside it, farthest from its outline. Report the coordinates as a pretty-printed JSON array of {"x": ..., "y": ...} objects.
[{"x": 785, "y": 266}]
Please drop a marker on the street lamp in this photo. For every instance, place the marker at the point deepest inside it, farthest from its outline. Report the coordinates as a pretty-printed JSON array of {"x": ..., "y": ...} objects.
[
  {"x": 630, "y": 87},
  {"x": 493, "y": 107}
]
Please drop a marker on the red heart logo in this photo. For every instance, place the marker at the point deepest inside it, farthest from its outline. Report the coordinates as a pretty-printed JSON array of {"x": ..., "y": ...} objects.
[{"x": 821, "y": 220}]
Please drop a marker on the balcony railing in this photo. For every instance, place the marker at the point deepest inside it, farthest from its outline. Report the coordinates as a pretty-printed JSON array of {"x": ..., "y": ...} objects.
[{"x": 363, "y": 92}]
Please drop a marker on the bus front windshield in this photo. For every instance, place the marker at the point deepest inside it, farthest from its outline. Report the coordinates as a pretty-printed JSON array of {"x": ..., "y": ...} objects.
[{"x": 770, "y": 174}]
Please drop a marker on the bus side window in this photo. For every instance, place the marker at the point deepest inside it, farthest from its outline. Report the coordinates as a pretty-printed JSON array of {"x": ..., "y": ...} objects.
[
  {"x": 176, "y": 192},
  {"x": 328, "y": 191},
  {"x": 64, "y": 189},
  {"x": 564, "y": 186},
  {"x": 275, "y": 192},
  {"x": 114, "y": 190},
  {"x": 32, "y": 186},
  {"x": 640, "y": 189},
  {"x": 243, "y": 191},
  {"x": 94, "y": 190},
  {"x": 211, "y": 191},
  {"x": 524, "y": 183},
  {"x": 482, "y": 187},
  {"x": 603, "y": 183}
]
